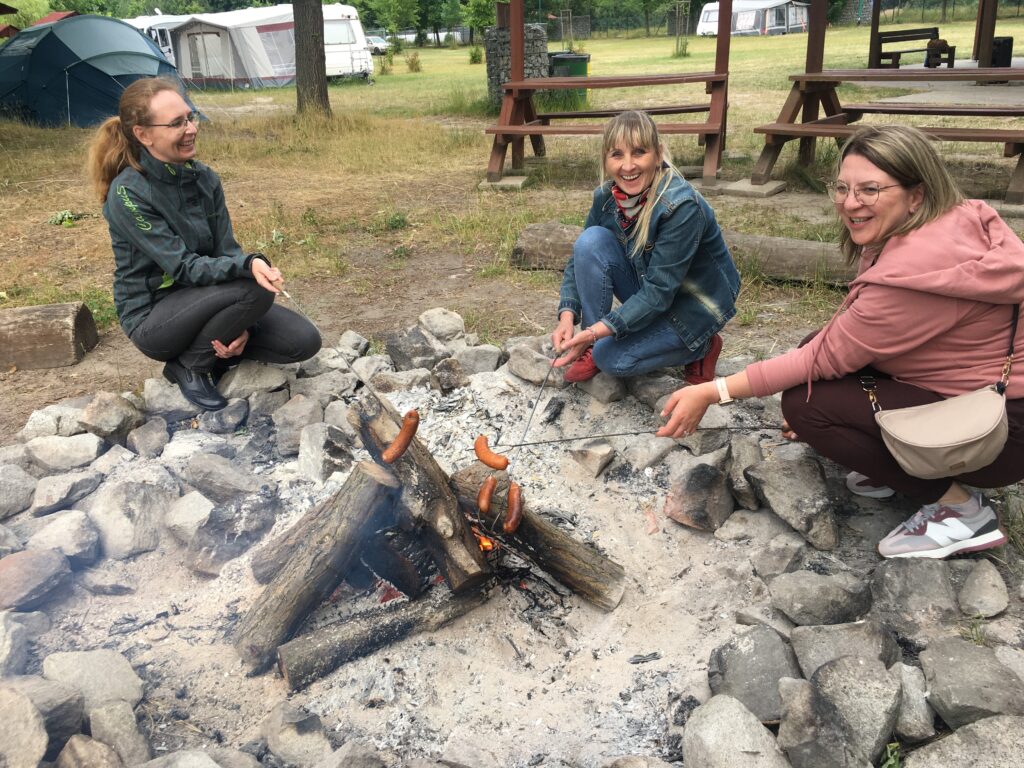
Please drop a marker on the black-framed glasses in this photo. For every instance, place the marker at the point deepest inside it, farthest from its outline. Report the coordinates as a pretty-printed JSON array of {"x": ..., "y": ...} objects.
[
  {"x": 177, "y": 124},
  {"x": 865, "y": 194}
]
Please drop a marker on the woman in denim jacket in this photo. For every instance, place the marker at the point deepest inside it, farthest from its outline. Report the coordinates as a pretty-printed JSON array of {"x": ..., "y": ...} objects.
[{"x": 652, "y": 242}]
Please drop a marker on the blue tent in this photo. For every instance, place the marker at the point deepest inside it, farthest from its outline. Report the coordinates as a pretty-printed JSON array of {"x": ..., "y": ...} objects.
[{"x": 73, "y": 71}]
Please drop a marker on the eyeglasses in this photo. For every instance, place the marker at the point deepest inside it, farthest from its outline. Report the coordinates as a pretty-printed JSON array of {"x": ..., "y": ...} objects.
[
  {"x": 865, "y": 194},
  {"x": 177, "y": 124}
]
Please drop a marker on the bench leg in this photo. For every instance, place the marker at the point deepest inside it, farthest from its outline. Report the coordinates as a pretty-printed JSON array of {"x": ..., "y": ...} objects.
[
  {"x": 497, "y": 161},
  {"x": 762, "y": 172},
  {"x": 1015, "y": 189},
  {"x": 530, "y": 113}
]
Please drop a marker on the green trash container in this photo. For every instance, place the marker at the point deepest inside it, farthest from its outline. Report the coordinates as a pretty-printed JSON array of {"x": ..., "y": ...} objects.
[{"x": 569, "y": 64}]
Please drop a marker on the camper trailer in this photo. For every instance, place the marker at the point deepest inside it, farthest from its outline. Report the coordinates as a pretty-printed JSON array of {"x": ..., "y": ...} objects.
[
  {"x": 160, "y": 30},
  {"x": 757, "y": 17},
  {"x": 345, "y": 47}
]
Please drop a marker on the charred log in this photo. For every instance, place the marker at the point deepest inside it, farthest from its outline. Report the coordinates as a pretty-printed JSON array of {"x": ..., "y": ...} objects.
[
  {"x": 583, "y": 569},
  {"x": 309, "y": 657},
  {"x": 331, "y": 544}
]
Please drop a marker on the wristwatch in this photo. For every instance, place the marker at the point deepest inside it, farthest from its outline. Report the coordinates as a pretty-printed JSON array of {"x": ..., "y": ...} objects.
[{"x": 723, "y": 391}]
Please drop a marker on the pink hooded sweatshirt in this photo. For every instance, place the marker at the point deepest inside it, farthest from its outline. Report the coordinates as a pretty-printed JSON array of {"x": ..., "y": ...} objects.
[{"x": 934, "y": 310}]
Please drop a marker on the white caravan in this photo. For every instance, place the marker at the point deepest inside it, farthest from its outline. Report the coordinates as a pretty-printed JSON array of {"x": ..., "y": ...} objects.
[
  {"x": 344, "y": 43},
  {"x": 160, "y": 29},
  {"x": 757, "y": 17}
]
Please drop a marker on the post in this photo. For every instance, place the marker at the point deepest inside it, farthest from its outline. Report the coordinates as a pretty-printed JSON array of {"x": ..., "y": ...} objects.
[
  {"x": 875, "y": 45},
  {"x": 814, "y": 62},
  {"x": 986, "y": 31},
  {"x": 517, "y": 41}
]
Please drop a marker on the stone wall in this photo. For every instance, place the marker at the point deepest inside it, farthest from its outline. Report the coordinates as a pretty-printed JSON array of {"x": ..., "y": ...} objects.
[{"x": 497, "y": 44}]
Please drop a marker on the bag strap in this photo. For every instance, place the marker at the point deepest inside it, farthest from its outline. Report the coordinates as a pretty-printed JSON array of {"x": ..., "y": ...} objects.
[{"x": 1005, "y": 379}]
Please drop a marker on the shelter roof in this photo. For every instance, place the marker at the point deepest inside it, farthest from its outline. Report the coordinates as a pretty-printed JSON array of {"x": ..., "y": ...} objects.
[
  {"x": 161, "y": 21},
  {"x": 6, "y": 9},
  {"x": 55, "y": 16},
  {"x": 8, "y": 31}
]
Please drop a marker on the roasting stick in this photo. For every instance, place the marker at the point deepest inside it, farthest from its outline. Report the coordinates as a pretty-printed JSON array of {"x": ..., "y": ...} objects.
[{"x": 750, "y": 428}]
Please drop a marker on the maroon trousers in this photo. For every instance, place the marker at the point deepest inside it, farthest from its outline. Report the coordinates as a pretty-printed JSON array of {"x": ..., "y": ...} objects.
[{"x": 838, "y": 423}]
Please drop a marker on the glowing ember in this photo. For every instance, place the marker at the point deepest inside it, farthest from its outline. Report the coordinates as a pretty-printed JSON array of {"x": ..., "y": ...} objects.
[{"x": 486, "y": 544}]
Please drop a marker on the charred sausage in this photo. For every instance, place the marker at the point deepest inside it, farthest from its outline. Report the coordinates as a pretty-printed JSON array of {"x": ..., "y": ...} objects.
[
  {"x": 483, "y": 496},
  {"x": 514, "y": 513},
  {"x": 400, "y": 444},
  {"x": 487, "y": 456}
]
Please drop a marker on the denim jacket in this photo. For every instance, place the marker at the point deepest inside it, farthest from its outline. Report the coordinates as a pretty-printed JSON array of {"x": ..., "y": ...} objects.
[
  {"x": 684, "y": 270},
  {"x": 169, "y": 227}
]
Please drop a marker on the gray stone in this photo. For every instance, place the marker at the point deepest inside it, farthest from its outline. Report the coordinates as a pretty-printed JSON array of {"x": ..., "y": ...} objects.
[
  {"x": 36, "y": 623},
  {"x": 71, "y": 534},
  {"x": 289, "y": 420},
  {"x": 722, "y": 733},
  {"x": 368, "y": 367},
  {"x": 15, "y": 454},
  {"x": 400, "y": 381},
  {"x": 61, "y": 454},
  {"x": 265, "y": 403},
  {"x": 745, "y": 453},
  {"x": 995, "y": 742},
  {"x": 249, "y": 377},
  {"x": 104, "y": 583},
  {"x": 31, "y": 577},
  {"x": 327, "y": 387},
  {"x": 913, "y": 595},
  {"x": 61, "y": 707},
  {"x": 812, "y": 732},
  {"x": 110, "y": 417},
  {"x": 222, "y": 480},
  {"x": 295, "y": 735},
  {"x": 984, "y": 593},
  {"x": 352, "y": 345},
  {"x": 757, "y": 527},
  {"x": 637, "y": 761},
  {"x": 186, "y": 443},
  {"x": 83, "y": 752},
  {"x": 127, "y": 515},
  {"x": 231, "y": 529},
  {"x": 811, "y": 598},
  {"x": 648, "y": 451},
  {"x": 966, "y": 682},
  {"x": 1012, "y": 658},
  {"x": 783, "y": 554},
  {"x": 149, "y": 439},
  {"x": 61, "y": 418},
  {"x": 653, "y": 389},
  {"x": 62, "y": 491},
  {"x": 763, "y": 614},
  {"x": 594, "y": 456},
  {"x": 24, "y": 741},
  {"x": 187, "y": 515},
  {"x": 323, "y": 450},
  {"x": 14, "y": 641},
  {"x": 16, "y": 489},
  {"x": 113, "y": 723},
  {"x": 749, "y": 668},
  {"x": 414, "y": 348},
  {"x": 443, "y": 324},
  {"x": 9, "y": 542},
  {"x": 232, "y": 758},
  {"x": 186, "y": 758},
  {"x": 916, "y": 721},
  {"x": 866, "y": 696},
  {"x": 700, "y": 499},
  {"x": 480, "y": 359},
  {"x": 533, "y": 366},
  {"x": 162, "y": 398},
  {"x": 154, "y": 474},
  {"x": 604, "y": 388},
  {"x": 354, "y": 754},
  {"x": 449, "y": 375},
  {"x": 325, "y": 361},
  {"x": 116, "y": 456},
  {"x": 227, "y": 419},
  {"x": 819, "y": 644},
  {"x": 544, "y": 245},
  {"x": 796, "y": 492},
  {"x": 101, "y": 675}
]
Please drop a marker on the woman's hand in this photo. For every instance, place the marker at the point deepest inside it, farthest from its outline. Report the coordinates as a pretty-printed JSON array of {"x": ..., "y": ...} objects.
[
  {"x": 685, "y": 408},
  {"x": 787, "y": 431},
  {"x": 563, "y": 332},
  {"x": 268, "y": 277},
  {"x": 577, "y": 345},
  {"x": 234, "y": 349}
]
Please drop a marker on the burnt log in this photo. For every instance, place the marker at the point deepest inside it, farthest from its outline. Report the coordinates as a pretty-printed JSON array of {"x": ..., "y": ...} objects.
[
  {"x": 331, "y": 544},
  {"x": 783, "y": 258},
  {"x": 581, "y": 568},
  {"x": 309, "y": 657},
  {"x": 47, "y": 336},
  {"x": 427, "y": 501}
]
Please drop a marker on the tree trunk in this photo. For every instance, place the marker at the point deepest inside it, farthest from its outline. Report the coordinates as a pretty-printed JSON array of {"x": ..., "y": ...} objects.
[
  {"x": 782, "y": 258},
  {"x": 45, "y": 336},
  {"x": 310, "y": 63},
  {"x": 309, "y": 657},
  {"x": 584, "y": 570},
  {"x": 313, "y": 570}
]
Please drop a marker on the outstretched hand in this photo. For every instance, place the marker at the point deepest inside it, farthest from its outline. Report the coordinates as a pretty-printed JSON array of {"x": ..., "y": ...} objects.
[
  {"x": 685, "y": 408},
  {"x": 268, "y": 277},
  {"x": 575, "y": 345}
]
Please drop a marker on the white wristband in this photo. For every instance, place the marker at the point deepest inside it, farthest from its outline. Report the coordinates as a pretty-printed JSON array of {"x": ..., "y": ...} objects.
[{"x": 723, "y": 391}]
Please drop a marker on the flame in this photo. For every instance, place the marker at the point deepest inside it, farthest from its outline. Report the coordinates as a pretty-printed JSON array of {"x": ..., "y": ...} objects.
[{"x": 486, "y": 543}]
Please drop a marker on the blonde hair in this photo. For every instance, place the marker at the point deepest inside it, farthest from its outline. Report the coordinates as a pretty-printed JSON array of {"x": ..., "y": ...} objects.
[
  {"x": 908, "y": 155},
  {"x": 638, "y": 131},
  {"x": 114, "y": 147}
]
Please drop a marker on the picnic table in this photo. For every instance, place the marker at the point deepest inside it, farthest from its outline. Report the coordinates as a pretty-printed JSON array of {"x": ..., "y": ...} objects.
[{"x": 813, "y": 88}]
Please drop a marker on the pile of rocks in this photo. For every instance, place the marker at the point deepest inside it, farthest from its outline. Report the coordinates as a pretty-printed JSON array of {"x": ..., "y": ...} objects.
[{"x": 844, "y": 654}]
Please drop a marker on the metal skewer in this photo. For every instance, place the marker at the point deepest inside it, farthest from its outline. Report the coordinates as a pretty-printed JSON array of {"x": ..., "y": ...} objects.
[{"x": 751, "y": 428}]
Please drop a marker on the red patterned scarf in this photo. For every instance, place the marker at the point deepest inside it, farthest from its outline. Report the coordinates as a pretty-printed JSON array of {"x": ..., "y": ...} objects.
[{"x": 628, "y": 208}]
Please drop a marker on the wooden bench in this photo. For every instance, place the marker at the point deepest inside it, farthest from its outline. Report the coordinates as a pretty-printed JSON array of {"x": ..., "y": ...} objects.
[{"x": 891, "y": 59}]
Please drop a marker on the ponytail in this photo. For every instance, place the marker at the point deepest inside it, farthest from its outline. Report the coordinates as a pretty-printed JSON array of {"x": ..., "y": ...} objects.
[{"x": 109, "y": 154}]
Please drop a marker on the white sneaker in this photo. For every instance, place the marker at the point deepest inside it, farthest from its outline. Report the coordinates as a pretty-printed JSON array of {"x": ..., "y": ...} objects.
[{"x": 862, "y": 485}]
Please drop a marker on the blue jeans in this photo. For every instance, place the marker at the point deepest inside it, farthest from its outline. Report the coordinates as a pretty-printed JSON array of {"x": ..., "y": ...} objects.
[{"x": 602, "y": 273}]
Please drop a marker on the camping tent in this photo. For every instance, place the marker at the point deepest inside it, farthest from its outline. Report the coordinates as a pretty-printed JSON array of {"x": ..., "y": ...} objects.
[{"x": 73, "y": 71}]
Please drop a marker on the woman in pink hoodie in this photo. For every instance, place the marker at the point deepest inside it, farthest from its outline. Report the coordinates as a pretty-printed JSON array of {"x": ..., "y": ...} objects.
[{"x": 930, "y": 315}]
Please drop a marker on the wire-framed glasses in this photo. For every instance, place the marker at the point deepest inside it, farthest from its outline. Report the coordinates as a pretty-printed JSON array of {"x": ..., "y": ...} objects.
[
  {"x": 179, "y": 123},
  {"x": 865, "y": 194}
]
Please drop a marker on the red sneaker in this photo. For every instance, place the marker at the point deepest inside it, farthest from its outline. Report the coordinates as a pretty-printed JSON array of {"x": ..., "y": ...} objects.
[
  {"x": 583, "y": 369},
  {"x": 701, "y": 371}
]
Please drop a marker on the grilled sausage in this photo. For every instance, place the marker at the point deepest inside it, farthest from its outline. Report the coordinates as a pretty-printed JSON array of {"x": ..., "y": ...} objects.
[
  {"x": 483, "y": 496},
  {"x": 400, "y": 444},
  {"x": 514, "y": 513},
  {"x": 487, "y": 456}
]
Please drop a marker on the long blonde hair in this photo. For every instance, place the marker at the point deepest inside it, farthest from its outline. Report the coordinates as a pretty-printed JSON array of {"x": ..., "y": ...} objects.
[
  {"x": 908, "y": 155},
  {"x": 114, "y": 147},
  {"x": 637, "y": 130}
]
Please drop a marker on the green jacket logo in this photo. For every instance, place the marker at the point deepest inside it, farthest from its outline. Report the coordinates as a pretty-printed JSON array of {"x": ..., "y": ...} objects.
[{"x": 140, "y": 220}]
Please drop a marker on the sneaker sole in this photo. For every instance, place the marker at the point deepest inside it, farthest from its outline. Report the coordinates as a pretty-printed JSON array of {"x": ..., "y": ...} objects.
[
  {"x": 989, "y": 540},
  {"x": 881, "y": 493}
]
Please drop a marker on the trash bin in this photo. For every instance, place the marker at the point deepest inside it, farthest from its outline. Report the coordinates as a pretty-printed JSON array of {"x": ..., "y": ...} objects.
[
  {"x": 569, "y": 64},
  {"x": 1002, "y": 51}
]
